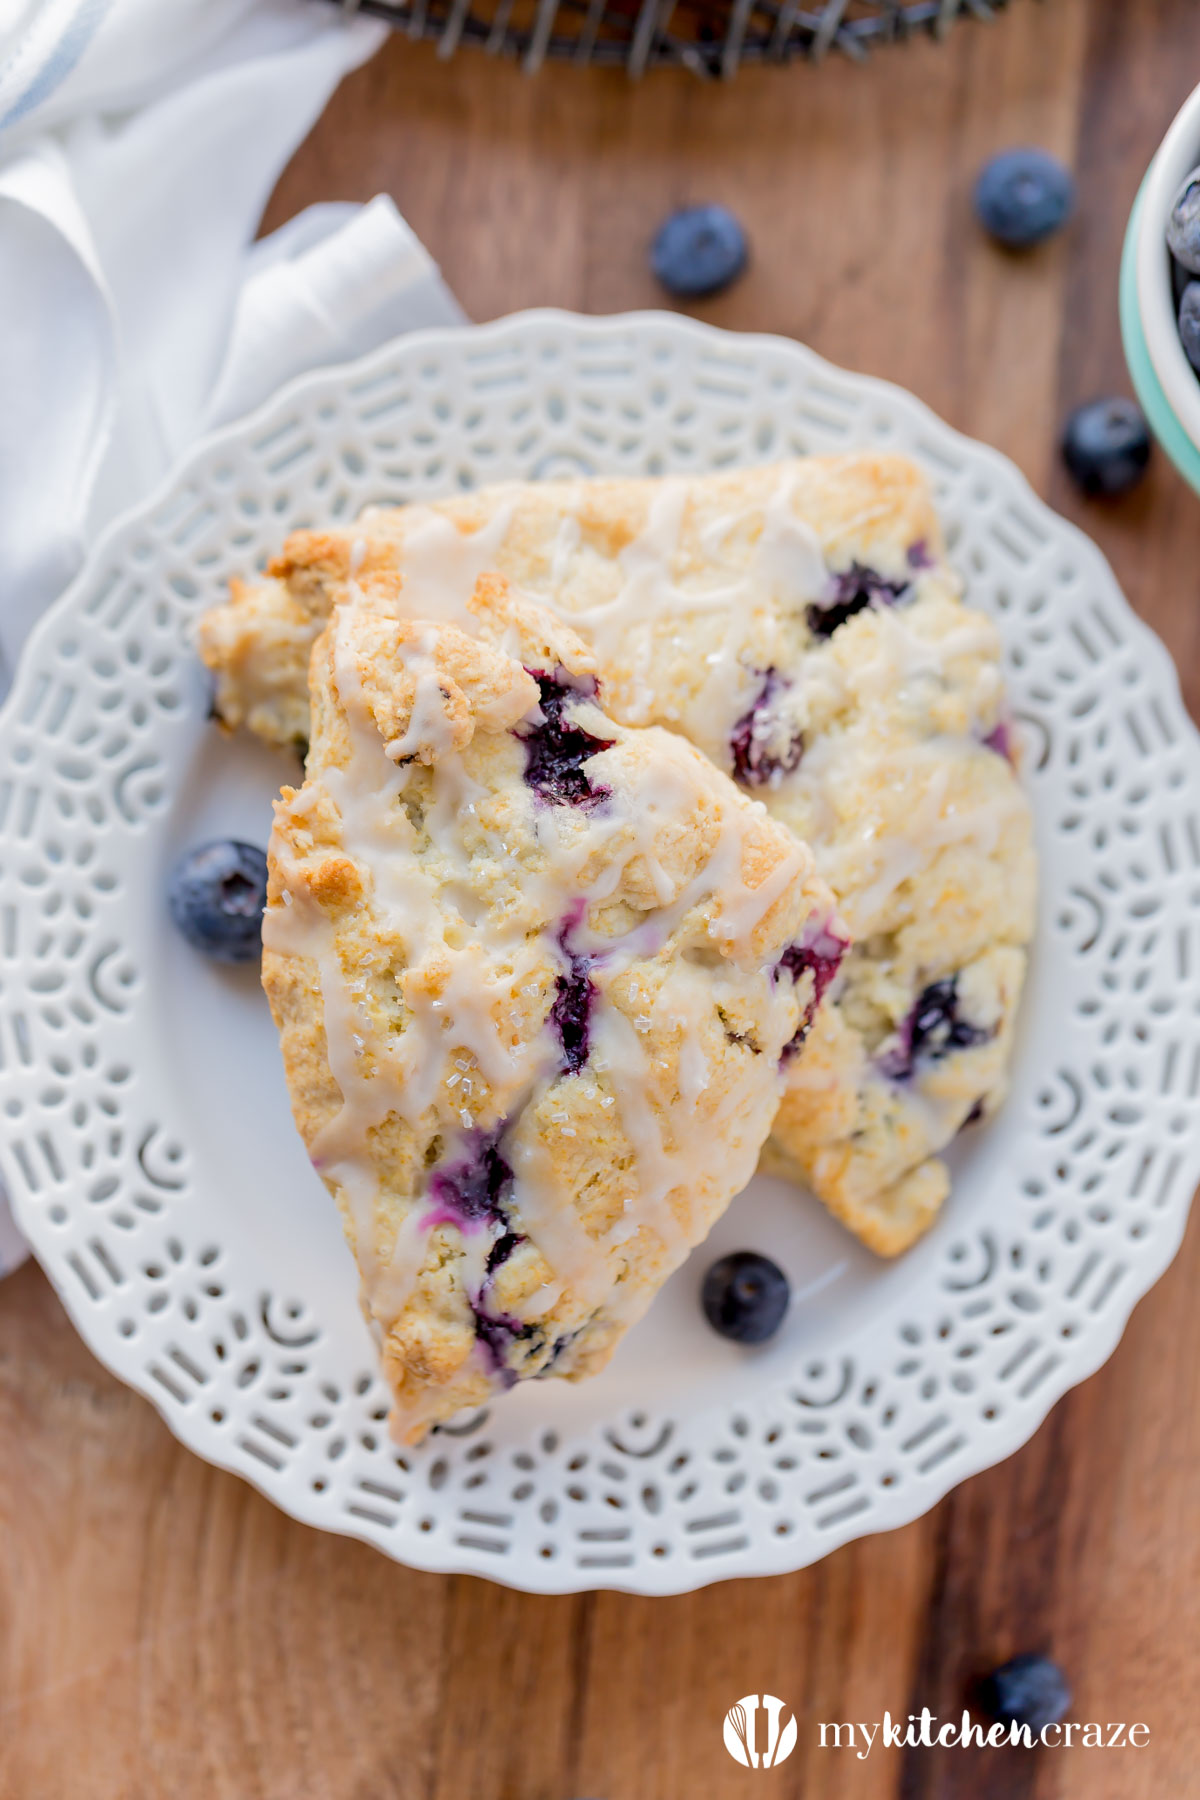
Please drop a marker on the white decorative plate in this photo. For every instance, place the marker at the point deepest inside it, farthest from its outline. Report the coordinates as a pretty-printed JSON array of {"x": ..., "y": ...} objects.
[{"x": 147, "y": 1140}]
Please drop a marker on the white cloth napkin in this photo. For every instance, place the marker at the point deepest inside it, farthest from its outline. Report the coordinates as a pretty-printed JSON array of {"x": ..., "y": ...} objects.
[{"x": 139, "y": 143}]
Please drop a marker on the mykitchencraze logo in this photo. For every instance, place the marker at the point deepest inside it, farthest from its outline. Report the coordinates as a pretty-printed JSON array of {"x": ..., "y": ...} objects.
[
  {"x": 760, "y": 1731},
  {"x": 922, "y": 1731}
]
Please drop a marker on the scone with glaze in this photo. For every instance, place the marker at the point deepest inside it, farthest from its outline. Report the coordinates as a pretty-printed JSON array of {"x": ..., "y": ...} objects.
[
  {"x": 537, "y": 976},
  {"x": 800, "y": 625}
]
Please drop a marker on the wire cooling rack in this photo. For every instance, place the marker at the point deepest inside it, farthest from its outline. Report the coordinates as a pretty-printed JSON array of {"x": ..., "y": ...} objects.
[{"x": 710, "y": 37}]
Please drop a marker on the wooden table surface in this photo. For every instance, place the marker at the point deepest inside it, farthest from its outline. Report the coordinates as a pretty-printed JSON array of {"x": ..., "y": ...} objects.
[{"x": 164, "y": 1631}]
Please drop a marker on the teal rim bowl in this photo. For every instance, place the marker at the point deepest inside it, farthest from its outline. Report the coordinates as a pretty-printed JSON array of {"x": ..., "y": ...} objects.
[
  {"x": 1146, "y": 385},
  {"x": 1165, "y": 382}
]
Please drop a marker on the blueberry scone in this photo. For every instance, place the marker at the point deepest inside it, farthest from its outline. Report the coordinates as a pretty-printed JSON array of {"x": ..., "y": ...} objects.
[
  {"x": 537, "y": 976},
  {"x": 800, "y": 625}
]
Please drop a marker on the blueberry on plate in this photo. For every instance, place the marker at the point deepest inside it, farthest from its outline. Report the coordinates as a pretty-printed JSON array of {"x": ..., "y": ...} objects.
[
  {"x": 1022, "y": 196},
  {"x": 1189, "y": 323},
  {"x": 745, "y": 1296},
  {"x": 216, "y": 894},
  {"x": 1026, "y": 1690},
  {"x": 699, "y": 251},
  {"x": 1106, "y": 445},
  {"x": 1183, "y": 224}
]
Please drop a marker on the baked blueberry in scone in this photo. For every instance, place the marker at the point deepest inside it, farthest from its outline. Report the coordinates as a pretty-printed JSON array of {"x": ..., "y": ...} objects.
[
  {"x": 536, "y": 974},
  {"x": 801, "y": 626}
]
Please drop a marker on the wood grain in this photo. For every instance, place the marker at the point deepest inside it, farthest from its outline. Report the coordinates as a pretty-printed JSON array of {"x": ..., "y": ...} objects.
[{"x": 165, "y": 1632}]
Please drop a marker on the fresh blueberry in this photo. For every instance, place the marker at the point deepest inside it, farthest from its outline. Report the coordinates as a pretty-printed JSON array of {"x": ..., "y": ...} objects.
[
  {"x": 478, "y": 1184},
  {"x": 498, "y": 1332},
  {"x": 571, "y": 1013},
  {"x": 555, "y": 748},
  {"x": 936, "y": 1025},
  {"x": 1000, "y": 740},
  {"x": 699, "y": 251},
  {"x": 1106, "y": 445},
  {"x": 760, "y": 755},
  {"x": 1180, "y": 277},
  {"x": 931, "y": 1030},
  {"x": 1183, "y": 224},
  {"x": 822, "y": 955},
  {"x": 501, "y": 1250},
  {"x": 1026, "y": 1690},
  {"x": 1189, "y": 323},
  {"x": 558, "y": 1350},
  {"x": 216, "y": 895},
  {"x": 745, "y": 1297},
  {"x": 1022, "y": 196},
  {"x": 851, "y": 591}
]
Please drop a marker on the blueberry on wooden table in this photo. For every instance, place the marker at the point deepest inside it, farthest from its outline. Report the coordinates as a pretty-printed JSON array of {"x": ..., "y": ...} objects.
[
  {"x": 1106, "y": 445},
  {"x": 1183, "y": 224},
  {"x": 1023, "y": 196},
  {"x": 1026, "y": 1690},
  {"x": 216, "y": 895},
  {"x": 699, "y": 251},
  {"x": 745, "y": 1296}
]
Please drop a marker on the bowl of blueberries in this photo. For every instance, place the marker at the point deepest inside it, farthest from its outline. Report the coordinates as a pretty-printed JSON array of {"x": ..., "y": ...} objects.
[{"x": 1160, "y": 292}]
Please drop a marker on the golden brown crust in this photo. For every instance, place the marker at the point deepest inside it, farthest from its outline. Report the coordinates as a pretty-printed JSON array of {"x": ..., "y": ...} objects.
[
  {"x": 513, "y": 1202},
  {"x": 900, "y": 713}
]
